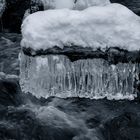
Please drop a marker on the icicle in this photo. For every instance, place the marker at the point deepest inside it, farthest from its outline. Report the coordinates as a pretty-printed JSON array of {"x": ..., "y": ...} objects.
[{"x": 56, "y": 75}]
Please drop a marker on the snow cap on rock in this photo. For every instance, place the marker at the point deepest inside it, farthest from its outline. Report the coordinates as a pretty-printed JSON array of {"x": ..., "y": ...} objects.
[{"x": 113, "y": 25}]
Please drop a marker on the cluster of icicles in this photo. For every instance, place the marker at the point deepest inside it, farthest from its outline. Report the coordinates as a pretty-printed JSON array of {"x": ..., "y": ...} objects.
[{"x": 56, "y": 75}]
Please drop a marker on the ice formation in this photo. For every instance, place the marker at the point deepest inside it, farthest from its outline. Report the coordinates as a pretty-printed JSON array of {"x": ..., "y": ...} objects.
[
  {"x": 2, "y": 7},
  {"x": 95, "y": 27},
  {"x": 56, "y": 75}
]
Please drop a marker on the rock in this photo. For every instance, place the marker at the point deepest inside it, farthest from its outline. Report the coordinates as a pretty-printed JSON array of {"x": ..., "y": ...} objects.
[
  {"x": 13, "y": 14},
  {"x": 9, "y": 48},
  {"x": 9, "y": 91},
  {"x": 123, "y": 127},
  {"x": 36, "y": 5},
  {"x": 112, "y": 55}
]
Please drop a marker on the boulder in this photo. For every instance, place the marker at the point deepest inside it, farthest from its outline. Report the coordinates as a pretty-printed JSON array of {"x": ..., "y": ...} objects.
[
  {"x": 13, "y": 14},
  {"x": 9, "y": 90},
  {"x": 123, "y": 127}
]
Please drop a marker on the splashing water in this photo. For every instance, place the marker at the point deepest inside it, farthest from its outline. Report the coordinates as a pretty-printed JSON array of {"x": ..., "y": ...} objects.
[{"x": 56, "y": 75}]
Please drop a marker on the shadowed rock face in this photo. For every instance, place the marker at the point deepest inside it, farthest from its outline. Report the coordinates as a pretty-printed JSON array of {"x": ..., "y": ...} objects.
[
  {"x": 9, "y": 92},
  {"x": 113, "y": 55},
  {"x": 23, "y": 117},
  {"x": 13, "y": 14},
  {"x": 123, "y": 127},
  {"x": 134, "y": 5},
  {"x": 9, "y": 50}
]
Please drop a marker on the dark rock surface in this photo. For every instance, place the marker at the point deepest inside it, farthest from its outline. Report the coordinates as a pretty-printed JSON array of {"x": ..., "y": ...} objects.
[
  {"x": 9, "y": 92},
  {"x": 9, "y": 50},
  {"x": 123, "y": 127},
  {"x": 65, "y": 119},
  {"x": 13, "y": 14},
  {"x": 113, "y": 55}
]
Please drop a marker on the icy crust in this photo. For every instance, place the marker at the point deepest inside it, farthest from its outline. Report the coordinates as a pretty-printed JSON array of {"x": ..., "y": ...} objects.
[
  {"x": 56, "y": 75},
  {"x": 96, "y": 27}
]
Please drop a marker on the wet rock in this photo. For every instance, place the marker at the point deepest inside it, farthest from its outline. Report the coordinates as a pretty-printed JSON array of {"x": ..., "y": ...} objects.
[
  {"x": 36, "y": 5},
  {"x": 123, "y": 127},
  {"x": 8, "y": 131},
  {"x": 9, "y": 92},
  {"x": 9, "y": 50},
  {"x": 113, "y": 55},
  {"x": 13, "y": 14},
  {"x": 22, "y": 124}
]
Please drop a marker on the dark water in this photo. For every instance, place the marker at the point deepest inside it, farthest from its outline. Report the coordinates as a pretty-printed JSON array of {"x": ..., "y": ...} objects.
[{"x": 24, "y": 117}]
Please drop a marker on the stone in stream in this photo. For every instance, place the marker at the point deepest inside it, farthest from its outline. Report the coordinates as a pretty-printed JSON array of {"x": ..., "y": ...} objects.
[
  {"x": 88, "y": 54},
  {"x": 13, "y": 15}
]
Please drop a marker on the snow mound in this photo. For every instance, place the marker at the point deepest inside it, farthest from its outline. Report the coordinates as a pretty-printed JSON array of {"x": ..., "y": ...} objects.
[{"x": 97, "y": 27}]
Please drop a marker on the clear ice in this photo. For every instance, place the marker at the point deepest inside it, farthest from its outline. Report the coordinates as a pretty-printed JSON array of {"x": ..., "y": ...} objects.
[{"x": 56, "y": 75}]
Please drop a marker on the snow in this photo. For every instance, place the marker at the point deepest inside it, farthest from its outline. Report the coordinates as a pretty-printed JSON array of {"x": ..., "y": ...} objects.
[
  {"x": 96, "y": 27},
  {"x": 71, "y": 4},
  {"x": 64, "y": 4},
  {"x": 83, "y": 4}
]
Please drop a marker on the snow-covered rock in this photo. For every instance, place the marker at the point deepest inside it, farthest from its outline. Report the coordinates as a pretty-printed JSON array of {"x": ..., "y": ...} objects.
[
  {"x": 96, "y": 27},
  {"x": 109, "y": 34}
]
